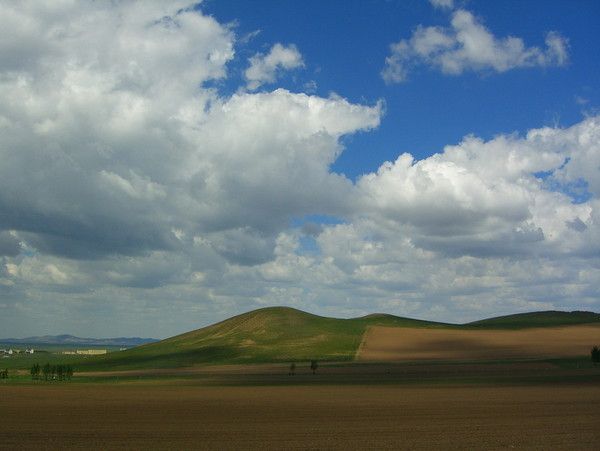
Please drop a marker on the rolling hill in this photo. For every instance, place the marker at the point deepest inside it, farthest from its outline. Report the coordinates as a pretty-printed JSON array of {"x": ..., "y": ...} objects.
[
  {"x": 282, "y": 334},
  {"x": 272, "y": 334},
  {"x": 551, "y": 318}
]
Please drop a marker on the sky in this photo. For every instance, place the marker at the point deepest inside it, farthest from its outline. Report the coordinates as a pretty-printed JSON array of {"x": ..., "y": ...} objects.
[{"x": 166, "y": 165}]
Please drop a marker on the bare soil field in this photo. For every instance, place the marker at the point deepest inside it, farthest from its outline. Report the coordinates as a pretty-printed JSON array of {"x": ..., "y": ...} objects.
[
  {"x": 300, "y": 417},
  {"x": 395, "y": 344}
]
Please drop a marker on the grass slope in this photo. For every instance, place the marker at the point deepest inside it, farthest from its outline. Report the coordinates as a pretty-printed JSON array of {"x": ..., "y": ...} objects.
[
  {"x": 274, "y": 334},
  {"x": 536, "y": 319},
  {"x": 282, "y": 334}
]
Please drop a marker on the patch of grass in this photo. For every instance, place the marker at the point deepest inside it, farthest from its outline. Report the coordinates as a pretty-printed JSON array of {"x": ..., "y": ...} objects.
[
  {"x": 26, "y": 361},
  {"x": 574, "y": 362}
]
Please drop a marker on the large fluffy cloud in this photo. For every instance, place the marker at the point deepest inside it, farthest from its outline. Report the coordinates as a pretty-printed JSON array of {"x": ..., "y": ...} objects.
[
  {"x": 482, "y": 224},
  {"x": 468, "y": 45},
  {"x": 93, "y": 119},
  {"x": 111, "y": 145},
  {"x": 121, "y": 171},
  {"x": 134, "y": 198},
  {"x": 508, "y": 195}
]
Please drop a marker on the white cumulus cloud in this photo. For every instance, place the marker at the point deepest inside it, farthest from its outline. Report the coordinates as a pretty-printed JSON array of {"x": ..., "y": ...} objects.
[
  {"x": 265, "y": 68},
  {"x": 467, "y": 45},
  {"x": 488, "y": 198},
  {"x": 443, "y": 4},
  {"x": 122, "y": 143}
]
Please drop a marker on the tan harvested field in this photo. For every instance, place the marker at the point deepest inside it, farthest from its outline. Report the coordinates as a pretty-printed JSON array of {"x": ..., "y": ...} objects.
[
  {"x": 396, "y": 344},
  {"x": 90, "y": 416}
]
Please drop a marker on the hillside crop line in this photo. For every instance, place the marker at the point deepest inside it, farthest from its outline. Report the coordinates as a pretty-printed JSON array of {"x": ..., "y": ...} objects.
[{"x": 363, "y": 342}]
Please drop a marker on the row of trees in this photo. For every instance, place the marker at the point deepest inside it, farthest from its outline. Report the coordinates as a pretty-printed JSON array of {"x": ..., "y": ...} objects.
[
  {"x": 313, "y": 366},
  {"x": 51, "y": 372}
]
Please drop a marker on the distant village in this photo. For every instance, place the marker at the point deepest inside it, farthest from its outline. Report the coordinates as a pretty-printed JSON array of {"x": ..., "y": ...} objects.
[
  {"x": 7, "y": 353},
  {"x": 86, "y": 352}
]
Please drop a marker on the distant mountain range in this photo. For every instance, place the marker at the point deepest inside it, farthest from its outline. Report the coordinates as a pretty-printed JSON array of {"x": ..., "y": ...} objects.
[{"x": 78, "y": 341}]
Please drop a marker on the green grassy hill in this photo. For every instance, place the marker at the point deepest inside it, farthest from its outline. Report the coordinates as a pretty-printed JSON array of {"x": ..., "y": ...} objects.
[
  {"x": 536, "y": 319},
  {"x": 281, "y": 334},
  {"x": 276, "y": 334}
]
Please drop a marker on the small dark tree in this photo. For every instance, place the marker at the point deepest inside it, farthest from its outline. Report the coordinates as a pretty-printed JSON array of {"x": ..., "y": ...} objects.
[
  {"x": 69, "y": 372},
  {"x": 292, "y": 369},
  {"x": 60, "y": 374},
  {"x": 4, "y": 374},
  {"x": 46, "y": 370},
  {"x": 35, "y": 371},
  {"x": 595, "y": 354},
  {"x": 313, "y": 366}
]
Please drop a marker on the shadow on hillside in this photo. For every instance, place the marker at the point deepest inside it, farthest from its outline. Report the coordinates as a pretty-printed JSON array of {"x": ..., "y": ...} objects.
[{"x": 137, "y": 359}]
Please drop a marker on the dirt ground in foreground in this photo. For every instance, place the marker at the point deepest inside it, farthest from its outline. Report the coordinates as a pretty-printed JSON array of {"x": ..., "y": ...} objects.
[
  {"x": 299, "y": 417},
  {"x": 394, "y": 344}
]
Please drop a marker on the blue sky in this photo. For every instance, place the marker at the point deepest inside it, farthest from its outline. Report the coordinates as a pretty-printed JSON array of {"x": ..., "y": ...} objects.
[
  {"x": 165, "y": 165},
  {"x": 345, "y": 43}
]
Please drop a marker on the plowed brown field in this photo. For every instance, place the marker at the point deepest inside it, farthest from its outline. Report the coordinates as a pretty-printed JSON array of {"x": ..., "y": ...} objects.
[
  {"x": 394, "y": 344},
  {"x": 108, "y": 417}
]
